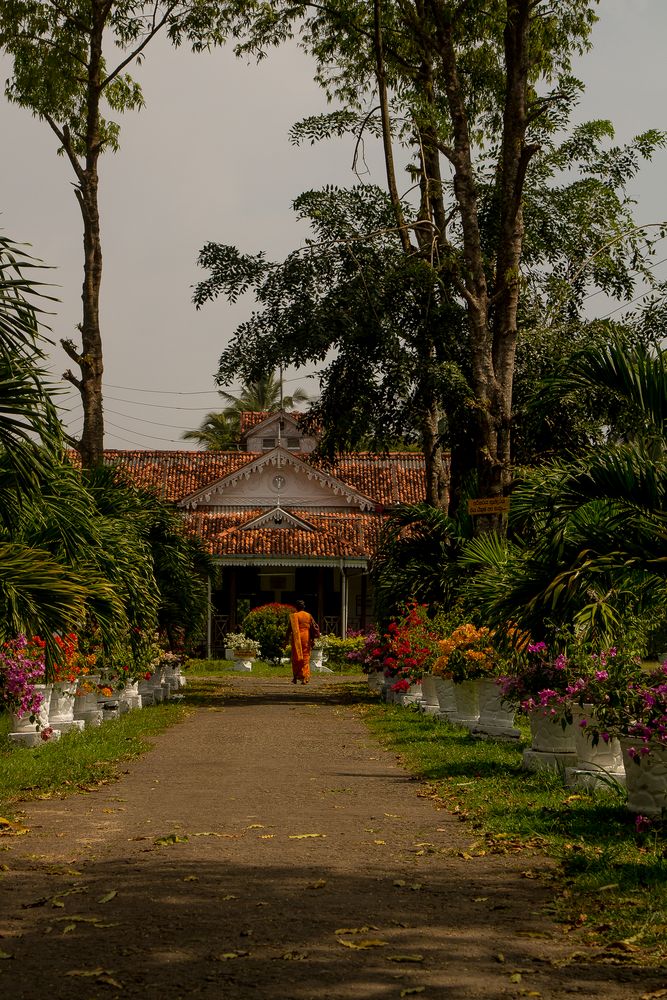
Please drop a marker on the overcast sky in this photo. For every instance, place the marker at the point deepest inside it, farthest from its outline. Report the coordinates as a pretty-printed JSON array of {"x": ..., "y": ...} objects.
[{"x": 209, "y": 159}]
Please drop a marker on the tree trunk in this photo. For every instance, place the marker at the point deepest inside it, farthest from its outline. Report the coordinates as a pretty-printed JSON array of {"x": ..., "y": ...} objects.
[{"x": 90, "y": 361}]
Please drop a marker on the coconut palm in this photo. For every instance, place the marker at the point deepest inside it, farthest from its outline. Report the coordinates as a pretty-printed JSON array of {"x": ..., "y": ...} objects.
[{"x": 221, "y": 431}]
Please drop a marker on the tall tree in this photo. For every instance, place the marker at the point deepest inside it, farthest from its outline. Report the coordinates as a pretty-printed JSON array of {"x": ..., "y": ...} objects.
[
  {"x": 70, "y": 59},
  {"x": 475, "y": 91}
]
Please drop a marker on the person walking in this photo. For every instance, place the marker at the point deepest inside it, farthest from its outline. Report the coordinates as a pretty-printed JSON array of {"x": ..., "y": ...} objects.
[{"x": 302, "y": 633}]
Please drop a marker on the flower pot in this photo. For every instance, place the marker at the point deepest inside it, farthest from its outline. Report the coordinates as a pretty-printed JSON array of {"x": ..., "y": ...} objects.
[
  {"x": 33, "y": 734},
  {"x": 375, "y": 681},
  {"x": 316, "y": 656},
  {"x": 597, "y": 764},
  {"x": 645, "y": 778},
  {"x": 243, "y": 660},
  {"x": 496, "y": 718},
  {"x": 552, "y": 744},
  {"x": 429, "y": 703},
  {"x": 129, "y": 696},
  {"x": 444, "y": 688},
  {"x": 61, "y": 707},
  {"x": 466, "y": 699}
]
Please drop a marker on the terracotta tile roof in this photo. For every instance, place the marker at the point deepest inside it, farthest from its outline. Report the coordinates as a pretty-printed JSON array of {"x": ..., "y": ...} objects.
[
  {"x": 250, "y": 418},
  {"x": 387, "y": 479},
  {"x": 175, "y": 474},
  {"x": 223, "y": 535},
  {"x": 397, "y": 477}
]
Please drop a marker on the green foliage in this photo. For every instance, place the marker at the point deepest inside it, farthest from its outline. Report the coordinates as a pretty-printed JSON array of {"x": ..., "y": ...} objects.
[
  {"x": 79, "y": 759},
  {"x": 590, "y": 548},
  {"x": 336, "y": 649},
  {"x": 269, "y": 624},
  {"x": 417, "y": 559}
]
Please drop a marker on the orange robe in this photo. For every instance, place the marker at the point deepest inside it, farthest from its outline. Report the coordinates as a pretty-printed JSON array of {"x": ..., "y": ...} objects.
[{"x": 300, "y": 623}]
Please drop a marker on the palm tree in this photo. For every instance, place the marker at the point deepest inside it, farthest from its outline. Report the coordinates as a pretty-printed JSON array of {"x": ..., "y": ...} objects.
[
  {"x": 221, "y": 431},
  {"x": 594, "y": 549}
]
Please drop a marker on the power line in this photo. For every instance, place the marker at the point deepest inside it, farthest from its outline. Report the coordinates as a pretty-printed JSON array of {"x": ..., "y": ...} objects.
[
  {"x": 143, "y": 420},
  {"x": 189, "y": 392},
  {"x": 154, "y": 437},
  {"x": 600, "y": 291}
]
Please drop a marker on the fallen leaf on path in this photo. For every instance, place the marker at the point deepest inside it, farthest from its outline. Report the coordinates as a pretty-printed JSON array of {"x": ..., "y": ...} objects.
[
  {"x": 480, "y": 899},
  {"x": 363, "y": 943},
  {"x": 227, "y": 956},
  {"x": 172, "y": 838},
  {"x": 412, "y": 989},
  {"x": 319, "y": 884},
  {"x": 654, "y": 996},
  {"x": 305, "y": 836},
  {"x": 108, "y": 896},
  {"x": 405, "y": 958},
  {"x": 294, "y": 956},
  {"x": 191, "y": 878},
  {"x": 516, "y": 977},
  {"x": 530, "y": 993},
  {"x": 68, "y": 928},
  {"x": 356, "y": 930},
  {"x": 266, "y": 836},
  {"x": 393, "y": 816},
  {"x": 255, "y": 826},
  {"x": 211, "y": 833},
  {"x": 230, "y": 896},
  {"x": 58, "y": 903},
  {"x": 380, "y": 842},
  {"x": 109, "y": 981},
  {"x": 5, "y": 954},
  {"x": 89, "y": 973},
  {"x": 499, "y": 957}
]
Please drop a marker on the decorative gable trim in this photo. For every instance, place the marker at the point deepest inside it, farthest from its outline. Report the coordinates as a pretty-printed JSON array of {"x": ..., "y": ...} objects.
[
  {"x": 278, "y": 458},
  {"x": 272, "y": 418},
  {"x": 278, "y": 518}
]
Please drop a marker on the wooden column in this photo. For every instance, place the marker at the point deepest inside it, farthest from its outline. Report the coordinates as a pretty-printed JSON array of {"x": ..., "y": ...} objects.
[{"x": 362, "y": 598}]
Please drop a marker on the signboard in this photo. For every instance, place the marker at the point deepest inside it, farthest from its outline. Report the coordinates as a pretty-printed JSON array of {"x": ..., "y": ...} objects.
[{"x": 489, "y": 505}]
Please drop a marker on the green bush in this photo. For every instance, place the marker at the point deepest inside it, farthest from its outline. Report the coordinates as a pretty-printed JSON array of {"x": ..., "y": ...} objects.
[
  {"x": 269, "y": 624},
  {"x": 336, "y": 649}
]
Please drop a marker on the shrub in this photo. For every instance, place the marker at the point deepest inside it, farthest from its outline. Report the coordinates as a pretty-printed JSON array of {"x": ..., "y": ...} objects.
[
  {"x": 338, "y": 650},
  {"x": 269, "y": 624}
]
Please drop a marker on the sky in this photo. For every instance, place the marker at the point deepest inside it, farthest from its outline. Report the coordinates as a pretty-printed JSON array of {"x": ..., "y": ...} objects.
[{"x": 208, "y": 159}]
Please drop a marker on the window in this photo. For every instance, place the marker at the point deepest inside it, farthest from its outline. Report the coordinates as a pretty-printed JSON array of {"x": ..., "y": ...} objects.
[
  {"x": 268, "y": 443},
  {"x": 293, "y": 443}
]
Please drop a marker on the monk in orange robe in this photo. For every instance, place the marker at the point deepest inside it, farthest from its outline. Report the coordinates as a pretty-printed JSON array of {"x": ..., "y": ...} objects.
[{"x": 302, "y": 631}]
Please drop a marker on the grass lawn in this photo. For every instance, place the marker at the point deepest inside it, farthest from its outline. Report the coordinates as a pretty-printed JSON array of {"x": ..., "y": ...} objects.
[
  {"x": 613, "y": 883},
  {"x": 203, "y": 668},
  {"x": 78, "y": 760}
]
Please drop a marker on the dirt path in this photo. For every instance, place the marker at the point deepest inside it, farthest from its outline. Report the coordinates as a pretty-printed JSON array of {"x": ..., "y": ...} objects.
[{"x": 298, "y": 827}]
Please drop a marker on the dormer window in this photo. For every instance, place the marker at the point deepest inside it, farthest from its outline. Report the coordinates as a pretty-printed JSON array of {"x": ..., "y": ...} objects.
[
  {"x": 268, "y": 443},
  {"x": 293, "y": 444}
]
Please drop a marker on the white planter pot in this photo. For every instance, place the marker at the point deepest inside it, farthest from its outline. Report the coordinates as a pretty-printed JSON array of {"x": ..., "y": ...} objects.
[
  {"x": 129, "y": 698},
  {"x": 242, "y": 663},
  {"x": 646, "y": 779},
  {"x": 444, "y": 688},
  {"x": 23, "y": 724},
  {"x": 375, "y": 681},
  {"x": 552, "y": 744},
  {"x": 603, "y": 756},
  {"x": 496, "y": 718},
  {"x": 145, "y": 690},
  {"x": 61, "y": 706},
  {"x": 31, "y": 734},
  {"x": 316, "y": 657},
  {"x": 429, "y": 702},
  {"x": 466, "y": 698}
]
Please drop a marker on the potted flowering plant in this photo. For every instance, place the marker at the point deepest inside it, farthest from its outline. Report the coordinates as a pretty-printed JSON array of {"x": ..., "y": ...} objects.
[{"x": 22, "y": 671}]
